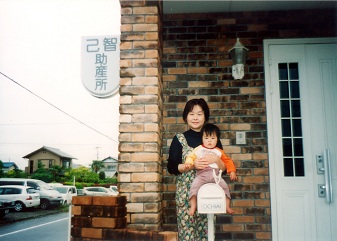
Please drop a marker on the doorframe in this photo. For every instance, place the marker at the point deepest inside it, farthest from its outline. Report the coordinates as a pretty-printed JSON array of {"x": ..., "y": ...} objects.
[{"x": 267, "y": 43}]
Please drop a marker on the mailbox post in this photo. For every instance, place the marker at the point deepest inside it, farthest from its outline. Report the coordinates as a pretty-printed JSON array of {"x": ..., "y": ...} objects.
[{"x": 211, "y": 200}]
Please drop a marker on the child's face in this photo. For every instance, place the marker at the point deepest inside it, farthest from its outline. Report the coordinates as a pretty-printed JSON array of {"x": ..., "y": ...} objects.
[{"x": 209, "y": 141}]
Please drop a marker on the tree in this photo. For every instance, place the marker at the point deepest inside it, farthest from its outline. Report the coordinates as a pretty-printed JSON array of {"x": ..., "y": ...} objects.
[
  {"x": 2, "y": 174},
  {"x": 16, "y": 173},
  {"x": 52, "y": 174},
  {"x": 56, "y": 172},
  {"x": 43, "y": 176},
  {"x": 96, "y": 166},
  {"x": 11, "y": 173},
  {"x": 40, "y": 165},
  {"x": 101, "y": 175},
  {"x": 83, "y": 174}
]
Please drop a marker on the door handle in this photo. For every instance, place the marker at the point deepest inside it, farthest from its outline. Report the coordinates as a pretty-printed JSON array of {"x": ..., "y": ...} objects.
[{"x": 327, "y": 176}]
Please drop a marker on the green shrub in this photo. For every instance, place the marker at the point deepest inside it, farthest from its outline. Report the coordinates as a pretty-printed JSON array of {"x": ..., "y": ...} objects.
[{"x": 101, "y": 175}]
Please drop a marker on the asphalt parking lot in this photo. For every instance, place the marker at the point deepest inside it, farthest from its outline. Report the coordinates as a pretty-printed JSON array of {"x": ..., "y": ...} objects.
[{"x": 28, "y": 214}]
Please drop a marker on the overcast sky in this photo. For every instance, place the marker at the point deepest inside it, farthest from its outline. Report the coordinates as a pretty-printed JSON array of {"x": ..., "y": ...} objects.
[{"x": 40, "y": 49}]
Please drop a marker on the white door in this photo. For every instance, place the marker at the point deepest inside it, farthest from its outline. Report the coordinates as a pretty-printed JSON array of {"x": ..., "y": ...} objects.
[{"x": 301, "y": 95}]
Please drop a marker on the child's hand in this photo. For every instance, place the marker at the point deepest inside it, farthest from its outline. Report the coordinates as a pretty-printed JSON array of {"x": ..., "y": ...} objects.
[
  {"x": 233, "y": 176},
  {"x": 188, "y": 166}
]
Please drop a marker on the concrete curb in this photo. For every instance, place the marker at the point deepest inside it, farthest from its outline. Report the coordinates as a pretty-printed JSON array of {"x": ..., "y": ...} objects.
[{"x": 28, "y": 214}]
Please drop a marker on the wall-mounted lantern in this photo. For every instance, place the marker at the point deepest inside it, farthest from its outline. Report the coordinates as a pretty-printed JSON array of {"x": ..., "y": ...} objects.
[{"x": 238, "y": 55}]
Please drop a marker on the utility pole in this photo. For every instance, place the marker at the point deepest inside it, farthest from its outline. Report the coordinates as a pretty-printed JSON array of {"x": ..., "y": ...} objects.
[{"x": 97, "y": 147}]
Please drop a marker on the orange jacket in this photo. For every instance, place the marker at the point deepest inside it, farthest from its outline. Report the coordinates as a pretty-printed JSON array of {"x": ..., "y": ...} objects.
[{"x": 200, "y": 151}]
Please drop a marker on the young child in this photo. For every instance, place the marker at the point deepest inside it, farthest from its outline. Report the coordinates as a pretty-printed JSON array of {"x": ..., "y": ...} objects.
[{"x": 210, "y": 135}]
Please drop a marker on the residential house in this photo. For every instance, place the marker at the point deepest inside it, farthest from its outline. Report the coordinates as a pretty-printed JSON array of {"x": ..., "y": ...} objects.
[
  {"x": 110, "y": 167},
  {"x": 49, "y": 157},
  {"x": 284, "y": 107},
  {"x": 7, "y": 166}
]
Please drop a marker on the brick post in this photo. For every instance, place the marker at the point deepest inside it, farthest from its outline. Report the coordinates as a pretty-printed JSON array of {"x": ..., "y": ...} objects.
[
  {"x": 95, "y": 218},
  {"x": 140, "y": 139}
]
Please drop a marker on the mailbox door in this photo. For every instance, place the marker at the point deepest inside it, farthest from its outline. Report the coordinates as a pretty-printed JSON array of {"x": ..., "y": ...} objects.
[{"x": 211, "y": 199}]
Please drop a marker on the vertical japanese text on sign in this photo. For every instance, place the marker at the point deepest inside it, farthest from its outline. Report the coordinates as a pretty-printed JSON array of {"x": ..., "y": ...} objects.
[{"x": 100, "y": 65}]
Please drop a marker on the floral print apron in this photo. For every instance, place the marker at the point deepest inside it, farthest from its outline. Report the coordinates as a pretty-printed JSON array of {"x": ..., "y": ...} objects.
[{"x": 192, "y": 228}]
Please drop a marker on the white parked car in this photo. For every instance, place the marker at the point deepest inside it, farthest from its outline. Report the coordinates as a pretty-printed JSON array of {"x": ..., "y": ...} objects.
[
  {"x": 99, "y": 191},
  {"x": 114, "y": 189},
  {"x": 48, "y": 196},
  {"x": 24, "y": 197},
  {"x": 67, "y": 192}
]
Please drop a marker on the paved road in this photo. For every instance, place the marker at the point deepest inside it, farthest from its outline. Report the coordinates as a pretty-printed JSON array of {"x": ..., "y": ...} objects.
[{"x": 44, "y": 228}]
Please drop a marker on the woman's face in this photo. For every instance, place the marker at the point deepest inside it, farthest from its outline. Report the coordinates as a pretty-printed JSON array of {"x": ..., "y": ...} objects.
[{"x": 196, "y": 118}]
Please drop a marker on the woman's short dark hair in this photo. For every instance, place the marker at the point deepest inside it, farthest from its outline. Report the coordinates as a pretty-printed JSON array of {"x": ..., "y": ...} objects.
[
  {"x": 209, "y": 129},
  {"x": 193, "y": 102}
]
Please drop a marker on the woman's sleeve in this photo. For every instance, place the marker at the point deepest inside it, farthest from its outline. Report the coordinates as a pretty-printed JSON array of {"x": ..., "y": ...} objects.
[
  {"x": 223, "y": 167},
  {"x": 219, "y": 144},
  {"x": 175, "y": 157}
]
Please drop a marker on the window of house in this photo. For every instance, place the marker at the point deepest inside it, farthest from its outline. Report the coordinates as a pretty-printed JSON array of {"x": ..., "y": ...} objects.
[{"x": 291, "y": 120}]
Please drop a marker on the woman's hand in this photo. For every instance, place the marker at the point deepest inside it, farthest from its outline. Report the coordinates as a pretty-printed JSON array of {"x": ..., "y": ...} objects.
[
  {"x": 201, "y": 163},
  {"x": 211, "y": 158}
]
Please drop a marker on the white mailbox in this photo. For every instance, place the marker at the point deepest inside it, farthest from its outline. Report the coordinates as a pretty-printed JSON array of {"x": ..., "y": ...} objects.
[{"x": 211, "y": 199}]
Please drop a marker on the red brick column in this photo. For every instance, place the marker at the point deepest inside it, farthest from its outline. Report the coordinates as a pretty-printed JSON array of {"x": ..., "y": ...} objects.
[
  {"x": 104, "y": 218},
  {"x": 140, "y": 162},
  {"x": 98, "y": 217}
]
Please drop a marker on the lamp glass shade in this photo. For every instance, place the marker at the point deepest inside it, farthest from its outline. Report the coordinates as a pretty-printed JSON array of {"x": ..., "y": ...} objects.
[{"x": 238, "y": 55}]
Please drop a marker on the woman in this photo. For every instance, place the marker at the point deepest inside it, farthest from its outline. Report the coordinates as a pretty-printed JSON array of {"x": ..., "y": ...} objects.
[{"x": 196, "y": 114}]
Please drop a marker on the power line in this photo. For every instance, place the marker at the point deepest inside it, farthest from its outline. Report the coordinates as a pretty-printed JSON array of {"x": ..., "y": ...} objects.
[
  {"x": 31, "y": 92},
  {"x": 58, "y": 144},
  {"x": 49, "y": 123}
]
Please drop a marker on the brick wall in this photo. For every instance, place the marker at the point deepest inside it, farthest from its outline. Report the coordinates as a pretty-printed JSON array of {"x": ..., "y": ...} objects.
[
  {"x": 168, "y": 59},
  {"x": 94, "y": 217},
  {"x": 196, "y": 64},
  {"x": 140, "y": 139},
  {"x": 104, "y": 218}
]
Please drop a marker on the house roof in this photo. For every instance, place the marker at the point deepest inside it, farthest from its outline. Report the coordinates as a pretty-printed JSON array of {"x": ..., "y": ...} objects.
[
  {"x": 9, "y": 165},
  {"x": 52, "y": 150},
  {"x": 109, "y": 159}
]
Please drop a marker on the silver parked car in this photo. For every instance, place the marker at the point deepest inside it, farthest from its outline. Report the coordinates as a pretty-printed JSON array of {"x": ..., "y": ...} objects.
[
  {"x": 5, "y": 207},
  {"x": 67, "y": 192},
  {"x": 99, "y": 191},
  {"x": 24, "y": 197}
]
